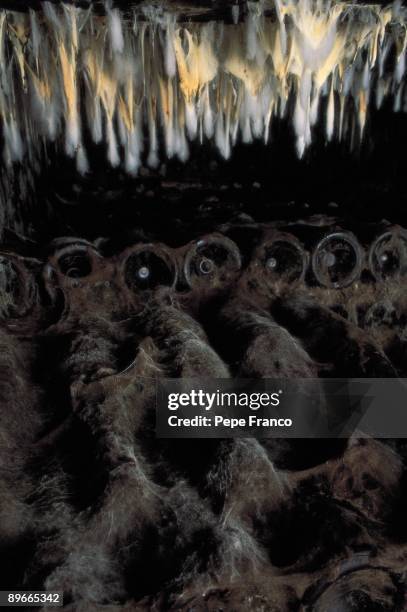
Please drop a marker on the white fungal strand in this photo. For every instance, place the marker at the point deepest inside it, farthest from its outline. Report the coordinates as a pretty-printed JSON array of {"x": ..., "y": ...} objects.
[{"x": 123, "y": 79}]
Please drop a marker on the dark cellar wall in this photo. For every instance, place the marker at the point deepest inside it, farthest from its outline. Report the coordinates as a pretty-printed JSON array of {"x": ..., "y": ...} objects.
[{"x": 267, "y": 183}]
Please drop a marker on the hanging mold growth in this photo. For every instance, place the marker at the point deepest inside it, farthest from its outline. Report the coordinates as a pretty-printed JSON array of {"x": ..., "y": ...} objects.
[{"x": 145, "y": 84}]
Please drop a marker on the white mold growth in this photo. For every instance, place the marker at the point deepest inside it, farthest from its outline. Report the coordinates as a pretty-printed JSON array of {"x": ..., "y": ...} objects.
[{"x": 146, "y": 85}]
